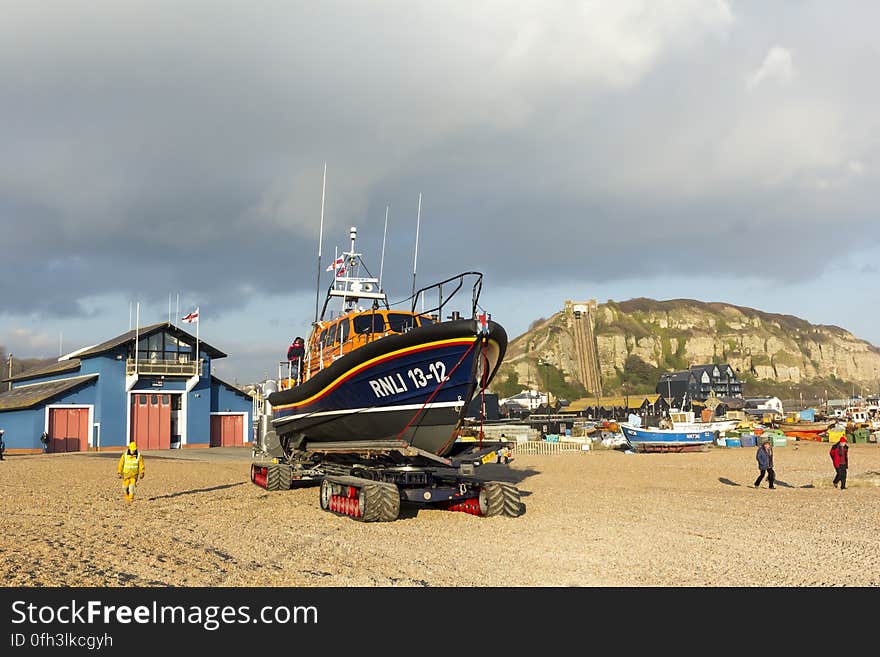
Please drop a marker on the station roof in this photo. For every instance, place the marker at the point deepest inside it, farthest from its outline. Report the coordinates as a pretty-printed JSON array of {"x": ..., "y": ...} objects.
[
  {"x": 46, "y": 370},
  {"x": 30, "y": 395},
  {"x": 213, "y": 352},
  {"x": 74, "y": 363}
]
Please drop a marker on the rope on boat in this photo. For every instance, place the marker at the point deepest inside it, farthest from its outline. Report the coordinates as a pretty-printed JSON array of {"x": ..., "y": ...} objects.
[
  {"x": 436, "y": 390},
  {"x": 485, "y": 368}
]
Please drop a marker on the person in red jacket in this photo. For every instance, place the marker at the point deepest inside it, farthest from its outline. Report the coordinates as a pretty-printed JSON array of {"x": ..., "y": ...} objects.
[
  {"x": 295, "y": 353},
  {"x": 840, "y": 458}
]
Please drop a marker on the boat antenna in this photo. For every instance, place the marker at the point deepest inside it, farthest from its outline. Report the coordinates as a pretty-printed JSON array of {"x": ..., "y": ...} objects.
[
  {"x": 320, "y": 243},
  {"x": 382, "y": 261},
  {"x": 416, "y": 257}
]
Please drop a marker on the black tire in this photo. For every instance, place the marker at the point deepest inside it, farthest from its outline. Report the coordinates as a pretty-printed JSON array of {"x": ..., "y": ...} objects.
[
  {"x": 326, "y": 493},
  {"x": 498, "y": 498},
  {"x": 379, "y": 503},
  {"x": 278, "y": 477}
]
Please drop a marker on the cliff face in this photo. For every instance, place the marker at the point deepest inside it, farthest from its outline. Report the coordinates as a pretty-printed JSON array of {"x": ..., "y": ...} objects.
[{"x": 672, "y": 335}]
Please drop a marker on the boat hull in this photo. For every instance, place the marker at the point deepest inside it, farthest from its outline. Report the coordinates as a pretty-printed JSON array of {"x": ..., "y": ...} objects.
[
  {"x": 649, "y": 437},
  {"x": 414, "y": 387},
  {"x": 804, "y": 427}
]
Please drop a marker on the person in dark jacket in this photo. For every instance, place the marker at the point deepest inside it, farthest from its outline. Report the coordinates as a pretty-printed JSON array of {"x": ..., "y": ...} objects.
[
  {"x": 840, "y": 458},
  {"x": 295, "y": 353},
  {"x": 2, "y": 444},
  {"x": 765, "y": 464}
]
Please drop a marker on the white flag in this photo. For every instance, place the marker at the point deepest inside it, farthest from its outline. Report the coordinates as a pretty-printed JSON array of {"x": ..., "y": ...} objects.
[{"x": 192, "y": 318}]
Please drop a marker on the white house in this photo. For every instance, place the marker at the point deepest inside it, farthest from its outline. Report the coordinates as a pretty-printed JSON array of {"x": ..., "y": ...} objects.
[
  {"x": 764, "y": 403},
  {"x": 527, "y": 399}
]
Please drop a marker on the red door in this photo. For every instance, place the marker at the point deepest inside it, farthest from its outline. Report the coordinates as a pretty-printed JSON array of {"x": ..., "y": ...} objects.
[
  {"x": 68, "y": 429},
  {"x": 151, "y": 420},
  {"x": 232, "y": 430},
  {"x": 226, "y": 430}
]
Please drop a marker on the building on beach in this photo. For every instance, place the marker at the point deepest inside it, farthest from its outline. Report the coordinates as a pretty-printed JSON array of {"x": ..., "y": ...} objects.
[
  {"x": 151, "y": 384},
  {"x": 699, "y": 383}
]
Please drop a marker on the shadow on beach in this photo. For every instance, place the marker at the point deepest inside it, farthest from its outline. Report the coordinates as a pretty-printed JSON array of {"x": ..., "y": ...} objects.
[
  {"x": 779, "y": 482},
  {"x": 196, "y": 490}
]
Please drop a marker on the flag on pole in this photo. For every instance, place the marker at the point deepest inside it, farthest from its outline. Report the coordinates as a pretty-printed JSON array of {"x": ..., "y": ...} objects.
[
  {"x": 339, "y": 263},
  {"x": 192, "y": 318}
]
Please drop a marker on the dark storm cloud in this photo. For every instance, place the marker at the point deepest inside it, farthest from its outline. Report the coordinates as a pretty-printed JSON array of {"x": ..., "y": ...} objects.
[{"x": 150, "y": 146}]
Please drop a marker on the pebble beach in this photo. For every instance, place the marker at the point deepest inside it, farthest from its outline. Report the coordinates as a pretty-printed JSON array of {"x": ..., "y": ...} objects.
[{"x": 604, "y": 518}]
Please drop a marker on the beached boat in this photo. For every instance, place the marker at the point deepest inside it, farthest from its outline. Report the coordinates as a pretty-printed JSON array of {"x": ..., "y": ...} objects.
[
  {"x": 653, "y": 439},
  {"x": 685, "y": 421},
  {"x": 804, "y": 427},
  {"x": 375, "y": 374}
]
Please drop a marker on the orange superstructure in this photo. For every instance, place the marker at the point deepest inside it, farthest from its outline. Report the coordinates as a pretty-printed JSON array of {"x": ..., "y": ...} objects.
[{"x": 334, "y": 338}]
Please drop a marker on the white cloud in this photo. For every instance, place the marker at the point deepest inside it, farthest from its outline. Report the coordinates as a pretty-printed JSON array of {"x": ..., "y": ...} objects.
[{"x": 776, "y": 66}]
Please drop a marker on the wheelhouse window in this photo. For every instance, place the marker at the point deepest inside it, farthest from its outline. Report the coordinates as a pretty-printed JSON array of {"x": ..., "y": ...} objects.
[
  {"x": 163, "y": 346},
  {"x": 400, "y": 322},
  {"x": 372, "y": 323},
  {"x": 342, "y": 334},
  {"x": 424, "y": 320}
]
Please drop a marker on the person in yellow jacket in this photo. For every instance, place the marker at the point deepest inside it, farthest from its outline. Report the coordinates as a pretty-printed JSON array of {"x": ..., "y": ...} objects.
[{"x": 130, "y": 469}]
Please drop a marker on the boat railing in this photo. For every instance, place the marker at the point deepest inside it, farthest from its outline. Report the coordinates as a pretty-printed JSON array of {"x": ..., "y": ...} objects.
[
  {"x": 163, "y": 367},
  {"x": 456, "y": 283}
]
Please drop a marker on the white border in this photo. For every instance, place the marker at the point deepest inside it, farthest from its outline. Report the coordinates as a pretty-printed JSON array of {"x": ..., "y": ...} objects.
[
  {"x": 156, "y": 391},
  {"x": 91, "y": 407}
]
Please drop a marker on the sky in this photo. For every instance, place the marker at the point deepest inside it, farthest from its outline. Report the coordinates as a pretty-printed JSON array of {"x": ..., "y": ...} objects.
[{"x": 170, "y": 154}]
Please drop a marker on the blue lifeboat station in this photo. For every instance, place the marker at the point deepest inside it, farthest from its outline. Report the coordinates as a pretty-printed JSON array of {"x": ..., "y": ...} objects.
[{"x": 152, "y": 385}]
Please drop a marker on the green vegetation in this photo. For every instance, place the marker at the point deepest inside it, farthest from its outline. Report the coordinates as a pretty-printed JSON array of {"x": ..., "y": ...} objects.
[
  {"x": 638, "y": 376},
  {"x": 553, "y": 380},
  {"x": 506, "y": 383},
  {"x": 786, "y": 359},
  {"x": 672, "y": 362}
]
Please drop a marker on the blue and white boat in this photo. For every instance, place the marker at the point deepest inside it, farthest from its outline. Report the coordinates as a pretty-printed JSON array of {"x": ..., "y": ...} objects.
[{"x": 654, "y": 439}]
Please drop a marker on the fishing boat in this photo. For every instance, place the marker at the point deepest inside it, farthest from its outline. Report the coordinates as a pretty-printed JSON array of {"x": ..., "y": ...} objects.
[
  {"x": 685, "y": 421},
  {"x": 373, "y": 374},
  {"x": 807, "y": 428},
  {"x": 648, "y": 439}
]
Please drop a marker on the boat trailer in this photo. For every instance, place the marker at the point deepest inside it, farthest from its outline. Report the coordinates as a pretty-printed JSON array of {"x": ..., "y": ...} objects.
[{"x": 369, "y": 481}]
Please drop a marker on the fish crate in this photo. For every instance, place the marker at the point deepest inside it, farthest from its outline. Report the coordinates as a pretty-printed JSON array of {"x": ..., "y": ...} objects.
[
  {"x": 780, "y": 441},
  {"x": 834, "y": 435},
  {"x": 733, "y": 442},
  {"x": 748, "y": 440}
]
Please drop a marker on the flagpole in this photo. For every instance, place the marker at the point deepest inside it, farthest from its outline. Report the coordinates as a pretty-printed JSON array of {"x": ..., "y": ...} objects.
[
  {"x": 320, "y": 243},
  {"x": 169, "y": 309},
  {"x": 198, "y": 355},
  {"x": 416, "y": 257},
  {"x": 384, "y": 234},
  {"x": 137, "y": 323}
]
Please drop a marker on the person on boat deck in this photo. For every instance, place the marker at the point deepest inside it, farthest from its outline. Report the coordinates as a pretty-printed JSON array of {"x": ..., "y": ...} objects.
[
  {"x": 840, "y": 458},
  {"x": 765, "y": 464},
  {"x": 295, "y": 353}
]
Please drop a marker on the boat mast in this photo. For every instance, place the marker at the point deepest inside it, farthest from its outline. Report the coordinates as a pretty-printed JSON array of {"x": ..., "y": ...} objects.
[
  {"x": 416, "y": 257},
  {"x": 320, "y": 242},
  {"x": 384, "y": 235}
]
